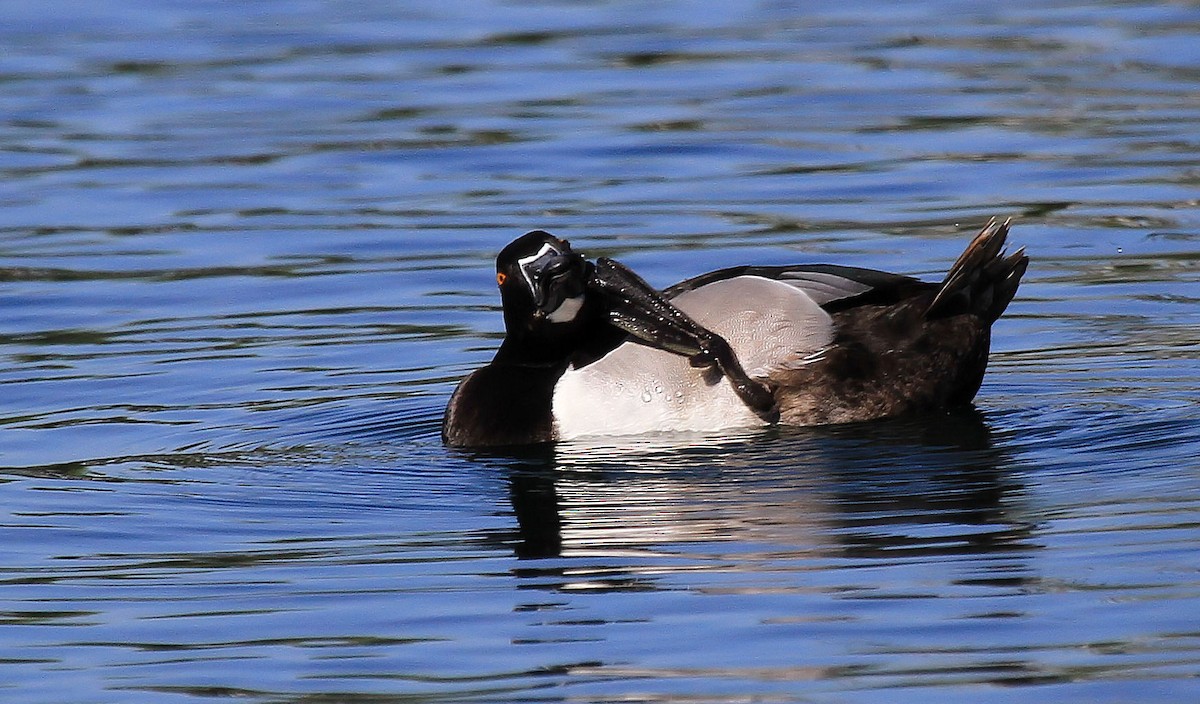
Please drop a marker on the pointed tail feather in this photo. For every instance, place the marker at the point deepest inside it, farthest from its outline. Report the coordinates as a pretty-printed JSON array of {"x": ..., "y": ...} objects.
[{"x": 984, "y": 279}]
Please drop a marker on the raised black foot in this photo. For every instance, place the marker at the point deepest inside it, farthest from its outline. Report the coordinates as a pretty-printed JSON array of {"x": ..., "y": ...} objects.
[{"x": 643, "y": 312}]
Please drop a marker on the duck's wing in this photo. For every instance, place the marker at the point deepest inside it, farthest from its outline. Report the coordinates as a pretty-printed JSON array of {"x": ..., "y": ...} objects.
[
  {"x": 773, "y": 317},
  {"x": 826, "y": 284},
  {"x": 770, "y": 325},
  {"x": 982, "y": 281}
]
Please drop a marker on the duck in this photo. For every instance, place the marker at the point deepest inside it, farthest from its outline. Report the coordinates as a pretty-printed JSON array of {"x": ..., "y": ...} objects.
[{"x": 591, "y": 350}]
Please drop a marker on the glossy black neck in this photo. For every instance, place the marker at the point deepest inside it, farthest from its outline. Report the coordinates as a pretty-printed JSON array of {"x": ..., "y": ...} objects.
[{"x": 541, "y": 343}]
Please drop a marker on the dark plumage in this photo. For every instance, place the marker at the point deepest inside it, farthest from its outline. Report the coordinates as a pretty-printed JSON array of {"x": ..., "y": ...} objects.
[{"x": 831, "y": 344}]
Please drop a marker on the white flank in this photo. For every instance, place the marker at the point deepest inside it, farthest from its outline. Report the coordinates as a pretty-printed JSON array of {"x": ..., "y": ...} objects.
[{"x": 636, "y": 389}]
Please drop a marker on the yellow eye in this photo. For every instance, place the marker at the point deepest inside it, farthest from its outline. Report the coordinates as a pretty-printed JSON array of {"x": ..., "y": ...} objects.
[{"x": 500, "y": 277}]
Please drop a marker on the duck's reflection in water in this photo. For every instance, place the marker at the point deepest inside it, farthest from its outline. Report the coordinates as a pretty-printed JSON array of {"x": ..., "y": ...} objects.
[{"x": 628, "y": 513}]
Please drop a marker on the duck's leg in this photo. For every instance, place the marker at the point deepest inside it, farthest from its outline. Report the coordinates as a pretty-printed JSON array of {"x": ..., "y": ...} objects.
[{"x": 640, "y": 310}]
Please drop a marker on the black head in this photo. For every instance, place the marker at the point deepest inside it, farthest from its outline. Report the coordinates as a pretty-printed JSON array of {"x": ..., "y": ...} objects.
[{"x": 542, "y": 282}]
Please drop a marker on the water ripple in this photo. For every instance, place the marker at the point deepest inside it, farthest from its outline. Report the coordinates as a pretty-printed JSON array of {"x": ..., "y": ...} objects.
[{"x": 246, "y": 251}]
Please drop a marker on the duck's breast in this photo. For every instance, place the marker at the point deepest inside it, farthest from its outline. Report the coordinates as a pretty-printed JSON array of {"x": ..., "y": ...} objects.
[{"x": 635, "y": 389}]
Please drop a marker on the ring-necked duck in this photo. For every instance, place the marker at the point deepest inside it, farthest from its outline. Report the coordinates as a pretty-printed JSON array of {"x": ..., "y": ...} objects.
[{"x": 590, "y": 349}]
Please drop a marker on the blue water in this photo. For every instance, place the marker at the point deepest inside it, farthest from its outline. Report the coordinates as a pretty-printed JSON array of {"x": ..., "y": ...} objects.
[{"x": 246, "y": 253}]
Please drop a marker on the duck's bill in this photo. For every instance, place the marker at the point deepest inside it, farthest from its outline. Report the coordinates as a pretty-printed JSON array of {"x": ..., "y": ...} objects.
[{"x": 554, "y": 275}]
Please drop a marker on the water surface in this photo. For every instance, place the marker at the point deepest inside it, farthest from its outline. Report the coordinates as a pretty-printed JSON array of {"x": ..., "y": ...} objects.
[{"x": 245, "y": 255}]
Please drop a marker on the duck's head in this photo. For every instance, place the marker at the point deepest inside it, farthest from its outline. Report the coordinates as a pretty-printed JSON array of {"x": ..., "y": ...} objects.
[{"x": 542, "y": 282}]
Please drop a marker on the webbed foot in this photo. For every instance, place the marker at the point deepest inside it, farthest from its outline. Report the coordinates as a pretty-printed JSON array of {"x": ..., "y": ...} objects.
[{"x": 643, "y": 312}]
